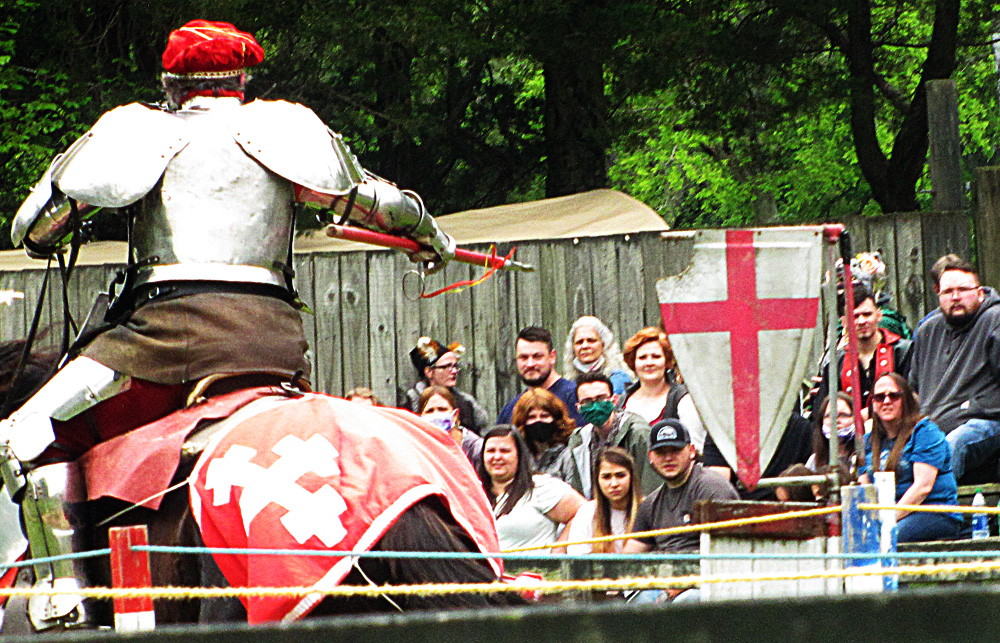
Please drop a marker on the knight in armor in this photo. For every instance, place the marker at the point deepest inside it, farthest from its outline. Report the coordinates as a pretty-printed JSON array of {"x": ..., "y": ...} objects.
[{"x": 209, "y": 185}]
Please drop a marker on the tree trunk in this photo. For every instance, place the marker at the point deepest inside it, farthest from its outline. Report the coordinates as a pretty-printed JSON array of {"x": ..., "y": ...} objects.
[
  {"x": 397, "y": 151},
  {"x": 893, "y": 180},
  {"x": 575, "y": 123}
]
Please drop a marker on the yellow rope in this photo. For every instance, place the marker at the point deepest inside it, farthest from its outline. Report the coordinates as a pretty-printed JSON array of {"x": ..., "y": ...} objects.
[
  {"x": 739, "y": 522},
  {"x": 943, "y": 509},
  {"x": 437, "y": 589},
  {"x": 708, "y": 526}
]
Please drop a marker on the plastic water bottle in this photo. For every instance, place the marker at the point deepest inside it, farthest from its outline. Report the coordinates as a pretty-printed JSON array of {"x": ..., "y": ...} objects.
[{"x": 980, "y": 522}]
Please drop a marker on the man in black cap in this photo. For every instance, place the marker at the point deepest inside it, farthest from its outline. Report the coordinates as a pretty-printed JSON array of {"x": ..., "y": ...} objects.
[{"x": 685, "y": 482}]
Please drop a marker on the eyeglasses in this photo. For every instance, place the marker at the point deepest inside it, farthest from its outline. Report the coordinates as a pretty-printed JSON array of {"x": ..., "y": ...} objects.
[
  {"x": 591, "y": 400},
  {"x": 888, "y": 396},
  {"x": 446, "y": 367},
  {"x": 960, "y": 291}
]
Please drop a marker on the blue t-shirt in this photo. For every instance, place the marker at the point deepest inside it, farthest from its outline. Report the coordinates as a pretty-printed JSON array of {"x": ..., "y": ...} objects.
[
  {"x": 927, "y": 444},
  {"x": 619, "y": 381},
  {"x": 562, "y": 388}
]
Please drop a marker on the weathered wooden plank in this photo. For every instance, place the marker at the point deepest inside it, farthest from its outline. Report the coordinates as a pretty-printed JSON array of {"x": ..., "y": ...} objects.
[
  {"x": 608, "y": 300},
  {"x": 52, "y": 312},
  {"x": 944, "y": 161},
  {"x": 354, "y": 340},
  {"x": 714, "y": 544},
  {"x": 779, "y": 566},
  {"x": 945, "y": 232},
  {"x": 408, "y": 325},
  {"x": 551, "y": 268},
  {"x": 631, "y": 316},
  {"x": 433, "y": 312},
  {"x": 530, "y": 304},
  {"x": 882, "y": 238},
  {"x": 12, "y": 318},
  {"x": 460, "y": 320},
  {"x": 382, "y": 283},
  {"x": 857, "y": 226},
  {"x": 328, "y": 348},
  {"x": 303, "y": 265},
  {"x": 579, "y": 281},
  {"x": 506, "y": 285},
  {"x": 987, "y": 212},
  {"x": 910, "y": 268},
  {"x": 482, "y": 357},
  {"x": 662, "y": 257}
]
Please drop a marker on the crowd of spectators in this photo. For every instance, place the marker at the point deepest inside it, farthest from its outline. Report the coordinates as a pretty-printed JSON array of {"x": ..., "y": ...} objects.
[{"x": 617, "y": 447}]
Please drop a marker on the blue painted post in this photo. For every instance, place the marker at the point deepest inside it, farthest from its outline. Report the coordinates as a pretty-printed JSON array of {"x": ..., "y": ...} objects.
[{"x": 861, "y": 535}]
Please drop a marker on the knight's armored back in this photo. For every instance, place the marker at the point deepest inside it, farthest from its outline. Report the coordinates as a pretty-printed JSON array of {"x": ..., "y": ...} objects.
[{"x": 218, "y": 214}]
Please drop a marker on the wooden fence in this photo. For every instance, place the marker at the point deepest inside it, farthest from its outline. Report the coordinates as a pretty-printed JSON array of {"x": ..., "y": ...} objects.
[{"x": 363, "y": 326}]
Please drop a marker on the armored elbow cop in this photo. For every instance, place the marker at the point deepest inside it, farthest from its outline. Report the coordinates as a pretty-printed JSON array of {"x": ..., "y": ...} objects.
[{"x": 380, "y": 205}]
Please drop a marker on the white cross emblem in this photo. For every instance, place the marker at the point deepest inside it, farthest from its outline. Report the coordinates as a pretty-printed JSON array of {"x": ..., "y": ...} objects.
[{"x": 309, "y": 514}]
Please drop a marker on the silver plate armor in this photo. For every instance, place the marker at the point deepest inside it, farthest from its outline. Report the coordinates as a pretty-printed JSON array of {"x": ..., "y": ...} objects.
[
  {"x": 214, "y": 182},
  {"x": 218, "y": 214},
  {"x": 291, "y": 141},
  {"x": 115, "y": 164}
]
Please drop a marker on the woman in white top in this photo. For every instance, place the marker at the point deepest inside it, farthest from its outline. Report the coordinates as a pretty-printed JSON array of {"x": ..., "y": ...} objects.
[
  {"x": 529, "y": 509},
  {"x": 659, "y": 395},
  {"x": 613, "y": 508}
]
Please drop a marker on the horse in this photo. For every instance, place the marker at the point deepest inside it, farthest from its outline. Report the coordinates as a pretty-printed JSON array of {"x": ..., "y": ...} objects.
[{"x": 275, "y": 467}]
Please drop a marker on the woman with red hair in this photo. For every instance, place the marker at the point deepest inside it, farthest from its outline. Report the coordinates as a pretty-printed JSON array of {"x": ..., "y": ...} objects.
[{"x": 659, "y": 393}]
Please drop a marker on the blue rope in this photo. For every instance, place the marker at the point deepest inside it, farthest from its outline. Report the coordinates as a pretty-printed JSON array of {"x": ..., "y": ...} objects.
[
  {"x": 34, "y": 562},
  {"x": 648, "y": 557}
]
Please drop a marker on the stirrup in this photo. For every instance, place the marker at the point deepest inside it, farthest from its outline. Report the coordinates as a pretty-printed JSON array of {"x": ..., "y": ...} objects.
[
  {"x": 63, "y": 611},
  {"x": 52, "y": 510}
]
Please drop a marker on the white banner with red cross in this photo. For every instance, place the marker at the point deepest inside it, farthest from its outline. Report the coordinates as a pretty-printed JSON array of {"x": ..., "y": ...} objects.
[{"x": 741, "y": 319}]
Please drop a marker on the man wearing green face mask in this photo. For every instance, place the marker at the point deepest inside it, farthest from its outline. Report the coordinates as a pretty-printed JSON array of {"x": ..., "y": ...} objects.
[{"x": 606, "y": 426}]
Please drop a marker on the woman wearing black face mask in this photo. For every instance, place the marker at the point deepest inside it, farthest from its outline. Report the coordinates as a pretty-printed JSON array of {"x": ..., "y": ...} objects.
[{"x": 544, "y": 421}]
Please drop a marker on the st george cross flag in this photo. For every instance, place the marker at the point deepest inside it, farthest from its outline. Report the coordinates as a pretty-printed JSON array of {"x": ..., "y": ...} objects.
[{"x": 741, "y": 320}]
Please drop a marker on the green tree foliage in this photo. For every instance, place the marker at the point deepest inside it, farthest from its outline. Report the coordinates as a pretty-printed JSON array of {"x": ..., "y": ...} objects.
[
  {"x": 713, "y": 113},
  {"x": 780, "y": 114}
]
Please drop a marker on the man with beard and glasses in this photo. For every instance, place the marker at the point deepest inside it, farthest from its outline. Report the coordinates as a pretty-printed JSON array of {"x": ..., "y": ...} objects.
[
  {"x": 685, "y": 482},
  {"x": 956, "y": 366},
  {"x": 535, "y": 358},
  {"x": 607, "y": 426}
]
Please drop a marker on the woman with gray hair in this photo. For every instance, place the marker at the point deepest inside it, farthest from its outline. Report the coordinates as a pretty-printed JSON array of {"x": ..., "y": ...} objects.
[{"x": 590, "y": 346}]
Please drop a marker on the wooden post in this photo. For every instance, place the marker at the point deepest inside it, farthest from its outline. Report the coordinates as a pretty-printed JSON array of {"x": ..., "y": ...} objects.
[
  {"x": 945, "y": 162},
  {"x": 987, "y": 215},
  {"x": 131, "y": 569},
  {"x": 943, "y": 233}
]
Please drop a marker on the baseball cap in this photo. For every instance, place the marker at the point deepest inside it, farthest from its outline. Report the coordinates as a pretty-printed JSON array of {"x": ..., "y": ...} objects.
[{"x": 668, "y": 433}]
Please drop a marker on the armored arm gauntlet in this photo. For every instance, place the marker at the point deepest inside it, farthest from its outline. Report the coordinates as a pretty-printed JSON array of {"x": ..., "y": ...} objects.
[
  {"x": 51, "y": 226},
  {"x": 380, "y": 205}
]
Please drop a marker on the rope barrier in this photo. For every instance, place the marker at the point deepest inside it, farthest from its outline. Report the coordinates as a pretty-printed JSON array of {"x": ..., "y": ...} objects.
[
  {"x": 438, "y": 589},
  {"x": 644, "y": 557},
  {"x": 708, "y": 526},
  {"x": 943, "y": 509},
  {"x": 34, "y": 562}
]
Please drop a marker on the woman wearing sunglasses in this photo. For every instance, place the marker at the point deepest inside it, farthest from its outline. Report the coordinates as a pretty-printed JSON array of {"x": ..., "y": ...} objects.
[{"x": 915, "y": 449}]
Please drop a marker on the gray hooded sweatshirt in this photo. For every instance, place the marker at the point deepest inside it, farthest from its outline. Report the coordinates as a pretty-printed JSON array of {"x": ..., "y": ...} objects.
[{"x": 956, "y": 369}]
